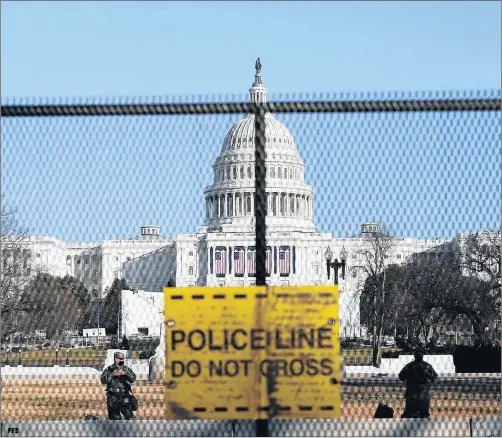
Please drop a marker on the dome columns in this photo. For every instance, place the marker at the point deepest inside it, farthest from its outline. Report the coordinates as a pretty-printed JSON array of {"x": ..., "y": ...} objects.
[{"x": 241, "y": 204}]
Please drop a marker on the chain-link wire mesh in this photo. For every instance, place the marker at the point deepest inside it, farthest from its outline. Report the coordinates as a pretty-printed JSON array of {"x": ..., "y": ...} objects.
[{"x": 104, "y": 206}]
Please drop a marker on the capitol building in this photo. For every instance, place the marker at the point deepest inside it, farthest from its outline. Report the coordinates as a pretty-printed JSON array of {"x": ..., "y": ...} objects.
[{"x": 222, "y": 252}]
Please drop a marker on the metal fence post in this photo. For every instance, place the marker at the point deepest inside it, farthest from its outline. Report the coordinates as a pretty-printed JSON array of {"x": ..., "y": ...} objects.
[{"x": 260, "y": 213}]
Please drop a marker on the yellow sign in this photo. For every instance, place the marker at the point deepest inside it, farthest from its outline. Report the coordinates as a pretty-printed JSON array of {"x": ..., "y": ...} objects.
[{"x": 252, "y": 352}]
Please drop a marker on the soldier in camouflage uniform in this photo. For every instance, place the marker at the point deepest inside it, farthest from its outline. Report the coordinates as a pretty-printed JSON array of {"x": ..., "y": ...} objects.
[
  {"x": 118, "y": 379},
  {"x": 418, "y": 376}
]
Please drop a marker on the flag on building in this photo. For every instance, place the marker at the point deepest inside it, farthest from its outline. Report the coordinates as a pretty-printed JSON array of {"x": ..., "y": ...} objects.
[
  {"x": 221, "y": 265},
  {"x": 251, "y": 261},
  {"x": 284, "y": 263},
  {"x": 239, "y": 261}
]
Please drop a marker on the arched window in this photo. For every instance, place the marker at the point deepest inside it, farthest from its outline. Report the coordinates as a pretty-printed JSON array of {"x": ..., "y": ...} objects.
[
  {"x": 272, "y": 172},
  {"x": 235, "y": 172},
  {"x": 291, "y": 173},
  {"x": 238, "y": 201},
  {"x": 248, "y": 205},
  {"x": 228, "y": 173},
  {"x": 242, "y": 172},
  {"x": 249, "y": 172},
  {"x": 230, "y": 206},
  {"x": 285, "y": 173},
  {"x": 279, "y": 172}
]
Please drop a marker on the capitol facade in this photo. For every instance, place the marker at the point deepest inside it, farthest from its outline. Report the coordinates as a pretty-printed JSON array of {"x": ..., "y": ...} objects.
[{"x": 222, "y": 252}]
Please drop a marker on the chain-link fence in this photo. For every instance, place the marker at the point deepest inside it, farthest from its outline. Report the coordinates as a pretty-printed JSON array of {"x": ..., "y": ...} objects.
[{"x": 394, "y": 197}]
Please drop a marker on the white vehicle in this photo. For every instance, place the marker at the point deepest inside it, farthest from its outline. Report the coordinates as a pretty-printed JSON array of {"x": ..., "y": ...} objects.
[{"x": 389, "y": 341}]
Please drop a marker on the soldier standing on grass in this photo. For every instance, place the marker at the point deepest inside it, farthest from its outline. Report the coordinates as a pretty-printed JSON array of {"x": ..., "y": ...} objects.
[
  {"x": 418, "y": 376},
  {"x": 118, "y": 378}
]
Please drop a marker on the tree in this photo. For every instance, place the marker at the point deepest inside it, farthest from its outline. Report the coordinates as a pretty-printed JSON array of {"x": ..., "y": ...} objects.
[
  {"x": 428, "y": 293},
  {"x": 112, "y": 306},
  {"x": 15, "y": 265},
  {"x": 53, "y": 303},
  {"x": 377, "y": 248}
]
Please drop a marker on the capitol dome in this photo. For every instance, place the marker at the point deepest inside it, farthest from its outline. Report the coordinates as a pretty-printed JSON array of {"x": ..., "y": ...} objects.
[{"x": 230, "y": 199}]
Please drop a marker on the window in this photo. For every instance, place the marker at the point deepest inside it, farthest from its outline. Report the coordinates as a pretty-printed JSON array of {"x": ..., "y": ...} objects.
[
  {"x": 290, "y": 173},
  {"x": 248, "y": 205},
  {"x": 279, "y": 172},
  {"x": 116, "y": 258},
  {"x": 399, "y": 256},
  {"x": 285, "y": 173},
  {"x": 354, "y": 274},
  {"x": 235, "y": 173},
  {"x": 249, "y": 172},
  {"x": 86, "y": 261},
  {"x": 128, "y": 259},
  {"x": 272, "y": 172},
  {"x": 316, "y": 269},
  {"x": 115, "y": 274},
  {"x": 78, "y": 261},
  {"x": 354, "y": 256},
  {"x": 38, "y": 256},
  {"x": 143, "y": 331},
  {"x": 190, "y": 253},
  {"x": 190, "y": 270},
  {"x": 242, "y": 172}
]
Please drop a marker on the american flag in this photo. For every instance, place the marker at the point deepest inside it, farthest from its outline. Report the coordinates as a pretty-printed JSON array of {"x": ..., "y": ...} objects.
[
  {"x": 239, "y": 261},
  {"x": 251, "y": 262},
  {"x": 221, "y": 265},
  {"x": 284, "y": 261}
]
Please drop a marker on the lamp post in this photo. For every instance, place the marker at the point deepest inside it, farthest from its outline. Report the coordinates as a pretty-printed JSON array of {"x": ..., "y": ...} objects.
[
  {"x": 57, "y": 361},
  {"x": 67, "y": 358},
  {"x": 336, "y": 265}
]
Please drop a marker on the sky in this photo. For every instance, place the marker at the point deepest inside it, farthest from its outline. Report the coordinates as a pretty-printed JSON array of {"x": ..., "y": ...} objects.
[{"x": 80, "y": 179}]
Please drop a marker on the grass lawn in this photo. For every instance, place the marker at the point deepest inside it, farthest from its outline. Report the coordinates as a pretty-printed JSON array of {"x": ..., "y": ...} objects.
[
  {"x": 70, "y": 400},
  {"x": 91, "y": 357},
  {"x": 77, "y": 357}
]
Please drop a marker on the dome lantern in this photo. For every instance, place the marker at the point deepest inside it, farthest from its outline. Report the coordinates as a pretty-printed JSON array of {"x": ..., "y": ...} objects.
[{"x": 258, "y": 91}]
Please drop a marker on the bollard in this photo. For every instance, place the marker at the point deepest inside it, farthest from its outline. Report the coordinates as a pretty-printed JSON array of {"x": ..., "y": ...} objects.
[{"x": 156, "y": 369}]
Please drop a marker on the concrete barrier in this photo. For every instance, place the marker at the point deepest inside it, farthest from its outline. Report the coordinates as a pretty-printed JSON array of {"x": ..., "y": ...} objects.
[
  {"x": 486, "y": 427},
  {"x": 101, "y": 428},
  {"x": 212, "y": 428},
  {"x": 47, "y": 372},
  {"x": 442, "y": 364},
  {"x": 371, "y": 427}
]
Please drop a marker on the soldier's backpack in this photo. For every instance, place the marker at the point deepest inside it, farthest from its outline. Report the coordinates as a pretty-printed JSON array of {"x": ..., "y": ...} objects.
[{"x": 384, "y": 411}]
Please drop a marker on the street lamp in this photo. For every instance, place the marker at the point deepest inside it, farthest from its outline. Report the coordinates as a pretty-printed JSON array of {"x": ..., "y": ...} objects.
[
  {"x": 57, "y": 352},
  {"x": 328, "y": 255}
]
